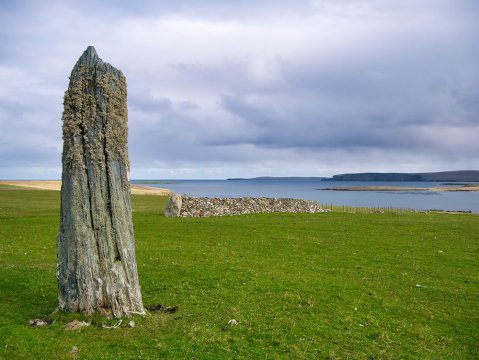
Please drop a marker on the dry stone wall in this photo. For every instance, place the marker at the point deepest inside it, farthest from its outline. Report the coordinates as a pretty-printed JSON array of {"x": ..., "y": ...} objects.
[{"x": 188, "y": 206}]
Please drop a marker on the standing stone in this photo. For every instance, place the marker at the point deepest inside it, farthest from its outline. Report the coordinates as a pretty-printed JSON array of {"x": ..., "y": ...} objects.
[
  {"x": 173, "y": 206},
  {"x": 96, "y": 265}
]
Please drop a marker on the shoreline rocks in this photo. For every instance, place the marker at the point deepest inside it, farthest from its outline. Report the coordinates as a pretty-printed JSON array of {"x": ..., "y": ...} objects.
[{"x": 188, "y": 206}]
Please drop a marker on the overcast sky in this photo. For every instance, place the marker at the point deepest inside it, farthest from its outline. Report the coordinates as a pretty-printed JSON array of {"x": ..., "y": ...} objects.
[{"x": 221, "y": 89}]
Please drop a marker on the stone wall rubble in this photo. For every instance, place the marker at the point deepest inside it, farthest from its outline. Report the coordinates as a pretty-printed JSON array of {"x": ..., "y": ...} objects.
[{"x": 188, "y": 206}]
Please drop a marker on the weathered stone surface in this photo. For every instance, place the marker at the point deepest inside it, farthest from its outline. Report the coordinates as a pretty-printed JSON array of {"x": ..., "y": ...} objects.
[
  {"x": 96, "y": 264},
  {"x": 173, "y": 206},
  {"x": 205, "y": 207}
]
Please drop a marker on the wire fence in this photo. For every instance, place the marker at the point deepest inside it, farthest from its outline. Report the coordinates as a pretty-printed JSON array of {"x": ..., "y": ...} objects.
[{"x": 375, "y": 210}]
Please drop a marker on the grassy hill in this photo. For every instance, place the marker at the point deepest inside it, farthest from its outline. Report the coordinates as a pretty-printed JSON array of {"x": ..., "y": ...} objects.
[{"x": 328, "y": 286}]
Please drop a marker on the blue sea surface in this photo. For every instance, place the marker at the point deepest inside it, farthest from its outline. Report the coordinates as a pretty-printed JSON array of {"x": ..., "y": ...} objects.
[{"x": 314, "y": 190}]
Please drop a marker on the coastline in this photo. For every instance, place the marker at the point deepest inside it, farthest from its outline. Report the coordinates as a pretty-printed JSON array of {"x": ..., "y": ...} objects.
[
  {"x": 56, "y": 186},
  {"x": 400, "y": 188},
  {"x": 416, "y": 196}
]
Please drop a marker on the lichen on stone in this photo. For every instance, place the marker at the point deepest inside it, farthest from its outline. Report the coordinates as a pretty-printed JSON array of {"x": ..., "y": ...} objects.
[
  {"x": 188, "y": 206},
  {"x": 95, "y": 244}
]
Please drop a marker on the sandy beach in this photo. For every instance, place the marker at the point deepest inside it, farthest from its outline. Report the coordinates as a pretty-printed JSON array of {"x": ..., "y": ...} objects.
[{"x": 56, "y": 185}]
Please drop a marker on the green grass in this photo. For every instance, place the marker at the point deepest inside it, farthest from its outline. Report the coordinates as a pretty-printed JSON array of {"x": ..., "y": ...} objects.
[
  {"x": 10, "y": 187},
  {"x": 329, "y": 286}
]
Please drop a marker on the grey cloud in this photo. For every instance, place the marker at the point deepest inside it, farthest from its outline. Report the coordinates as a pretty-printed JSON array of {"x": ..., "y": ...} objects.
[
  {"x": 251, "y": 85},
  {"x": 467, "y": 102},
  {"x": 188, "y": 105},
  {"x": 260, "y": 116},
  {"x": 145, "y": 102}
]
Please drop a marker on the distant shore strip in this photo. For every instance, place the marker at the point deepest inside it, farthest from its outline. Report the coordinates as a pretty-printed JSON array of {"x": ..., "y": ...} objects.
[
  {"x": 57, "y": 184},
  {"x": 137, "y": 189},
  {"x": 401, "y": 188}
]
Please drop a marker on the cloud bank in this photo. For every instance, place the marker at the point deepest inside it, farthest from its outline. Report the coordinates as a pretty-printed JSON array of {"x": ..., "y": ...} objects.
[{"x": 304, "y": 88}]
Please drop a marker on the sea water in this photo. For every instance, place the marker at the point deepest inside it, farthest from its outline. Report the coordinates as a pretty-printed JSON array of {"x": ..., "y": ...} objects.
[{"x": 315, "y": 190}]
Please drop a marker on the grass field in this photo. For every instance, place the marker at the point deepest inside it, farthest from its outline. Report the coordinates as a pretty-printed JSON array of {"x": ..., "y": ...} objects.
[{"x": 311, "y": 286}]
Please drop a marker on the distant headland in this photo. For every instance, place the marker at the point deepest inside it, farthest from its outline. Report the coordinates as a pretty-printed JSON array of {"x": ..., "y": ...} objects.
[
  {"x": 450, "y": 176},
  {"x": 295, "y": 178}
]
